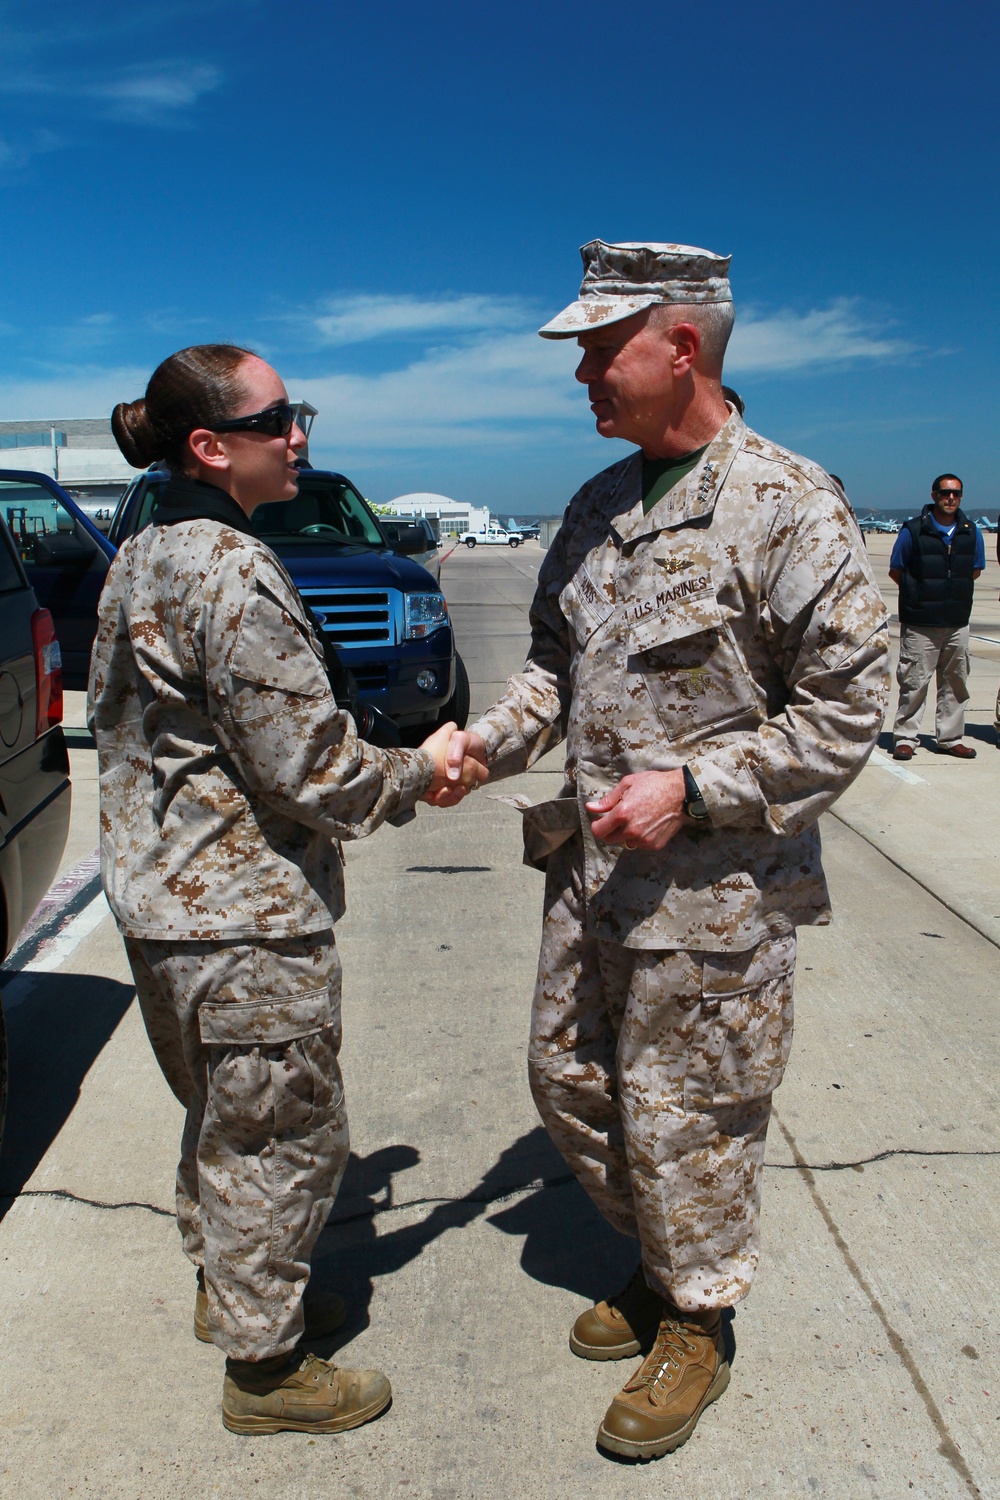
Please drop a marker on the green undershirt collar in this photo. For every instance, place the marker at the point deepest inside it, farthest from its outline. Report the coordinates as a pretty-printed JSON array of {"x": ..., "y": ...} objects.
[{"x": 659, "y": 475}]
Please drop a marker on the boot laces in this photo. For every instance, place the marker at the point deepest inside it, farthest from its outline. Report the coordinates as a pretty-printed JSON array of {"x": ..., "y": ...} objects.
[
  {"x": 312, "y": 1368},
  {"x": 666, "y": 1356}
]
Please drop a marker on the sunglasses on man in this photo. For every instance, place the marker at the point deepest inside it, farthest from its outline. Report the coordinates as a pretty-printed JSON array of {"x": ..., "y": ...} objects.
[
  {"x": 947, "y": 494},
  {"x": 273, "y": 421}
]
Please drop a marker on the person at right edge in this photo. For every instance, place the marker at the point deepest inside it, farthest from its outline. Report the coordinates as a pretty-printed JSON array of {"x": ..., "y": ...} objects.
[
  {"x": 708, "y": 638},
  {"x": 935, "y": 562}
]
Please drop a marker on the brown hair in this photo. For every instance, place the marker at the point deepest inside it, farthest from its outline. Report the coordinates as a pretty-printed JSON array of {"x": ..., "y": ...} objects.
[{"x": 193, "y": 388}]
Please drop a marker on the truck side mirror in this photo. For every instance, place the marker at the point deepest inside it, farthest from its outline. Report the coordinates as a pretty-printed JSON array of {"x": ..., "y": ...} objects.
[{"x": 409, "y": 540}]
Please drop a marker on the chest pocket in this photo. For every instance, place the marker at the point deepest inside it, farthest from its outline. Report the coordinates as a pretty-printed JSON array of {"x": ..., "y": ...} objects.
[
  {"x": 271, "y": 658},
  {"x": 683, "y": 649}
]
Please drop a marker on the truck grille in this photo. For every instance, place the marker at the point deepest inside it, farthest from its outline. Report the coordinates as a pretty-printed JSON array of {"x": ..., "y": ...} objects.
[
  {"x": 370, "y": 677},
  {"x": 358, "y": 617}
]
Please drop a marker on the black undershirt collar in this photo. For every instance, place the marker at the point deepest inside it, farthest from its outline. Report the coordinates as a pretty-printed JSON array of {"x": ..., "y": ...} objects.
[{"x": 194, "y": 500}]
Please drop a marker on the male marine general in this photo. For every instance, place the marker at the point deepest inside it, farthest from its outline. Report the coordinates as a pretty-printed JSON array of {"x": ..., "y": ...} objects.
[{"x": 708, "y": 639}]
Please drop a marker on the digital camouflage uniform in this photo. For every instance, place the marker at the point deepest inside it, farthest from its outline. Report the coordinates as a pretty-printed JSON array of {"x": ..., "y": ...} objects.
[
  {"x": 736, "y": 628},
  {"x": 227, "y": 777}
]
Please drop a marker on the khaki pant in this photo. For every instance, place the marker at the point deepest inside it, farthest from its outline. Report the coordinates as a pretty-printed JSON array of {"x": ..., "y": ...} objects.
[
  {"x": 653, "y": 1072},
  {"x": 941, "y": 652},
  {"x": 247, "y": 1037}
]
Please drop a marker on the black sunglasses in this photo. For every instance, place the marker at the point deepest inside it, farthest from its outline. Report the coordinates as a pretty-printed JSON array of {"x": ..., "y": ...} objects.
[
  {"x": 946, "y": 493},
  {"x": 274, "y": 421}
]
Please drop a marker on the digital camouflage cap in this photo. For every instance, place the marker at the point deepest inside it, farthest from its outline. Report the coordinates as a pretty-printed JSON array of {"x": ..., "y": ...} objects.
[{"x": 619, "y": 280}]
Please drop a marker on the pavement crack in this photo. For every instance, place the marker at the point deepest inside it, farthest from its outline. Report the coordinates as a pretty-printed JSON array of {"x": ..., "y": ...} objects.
[
  {"x": 865, "y": 1161},
  {"x": 476, "y": 1196},
  {"x": 947, "y": 1447},
  {"x": 65, "y": 1196}
]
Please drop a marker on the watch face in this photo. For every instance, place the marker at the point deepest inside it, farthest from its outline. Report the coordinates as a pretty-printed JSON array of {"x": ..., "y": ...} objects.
[{"x": 697, "y": 810}]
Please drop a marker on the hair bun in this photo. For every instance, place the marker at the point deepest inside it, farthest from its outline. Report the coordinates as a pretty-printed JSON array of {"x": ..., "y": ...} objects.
[{"x": 135, "y": 434}]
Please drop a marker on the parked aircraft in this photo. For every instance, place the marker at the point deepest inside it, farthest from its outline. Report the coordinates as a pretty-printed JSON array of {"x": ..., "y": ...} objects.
[
  {"x": 985, "y": 524},
  {"x": 873, "y": 523}
]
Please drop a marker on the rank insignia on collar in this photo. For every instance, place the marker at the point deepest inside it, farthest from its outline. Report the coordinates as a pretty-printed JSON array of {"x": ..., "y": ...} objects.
[{"x": 671, "y": 564}]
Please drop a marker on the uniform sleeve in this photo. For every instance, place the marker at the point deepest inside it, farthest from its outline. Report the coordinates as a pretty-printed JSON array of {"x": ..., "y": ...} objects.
[
  {"x": 275, "y": 714},
  {"x": 825, "y": 626},
  {"x": 531, "y": 716}
]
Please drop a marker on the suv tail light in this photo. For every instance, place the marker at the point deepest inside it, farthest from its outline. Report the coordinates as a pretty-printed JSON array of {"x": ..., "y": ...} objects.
[{"x": 48, "y": 672}]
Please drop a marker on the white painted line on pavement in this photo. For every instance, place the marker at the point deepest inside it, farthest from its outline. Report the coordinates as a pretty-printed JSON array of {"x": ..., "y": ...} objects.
[
  {"x": 885, "y": 763},
  {"x": 55, "y": 951}
]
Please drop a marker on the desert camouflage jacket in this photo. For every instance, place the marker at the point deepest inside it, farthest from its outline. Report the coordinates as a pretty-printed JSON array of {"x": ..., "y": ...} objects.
[
  {"x": 227, "y": 771},
  {"x": 737, "y": 628}
]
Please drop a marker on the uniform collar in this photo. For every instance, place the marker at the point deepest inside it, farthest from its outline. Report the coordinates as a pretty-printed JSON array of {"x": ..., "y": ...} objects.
[
  {"x": 960, "y": 518},
  {"x": 194, "y": 500},
  {"x": 694, "y": 495}
]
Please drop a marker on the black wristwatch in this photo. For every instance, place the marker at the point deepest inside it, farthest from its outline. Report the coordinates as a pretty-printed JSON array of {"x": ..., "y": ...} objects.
[{"x": 694, "y": 807}]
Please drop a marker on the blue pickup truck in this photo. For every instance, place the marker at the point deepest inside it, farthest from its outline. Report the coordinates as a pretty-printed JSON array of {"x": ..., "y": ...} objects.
[{"x": 385, "y": 614}]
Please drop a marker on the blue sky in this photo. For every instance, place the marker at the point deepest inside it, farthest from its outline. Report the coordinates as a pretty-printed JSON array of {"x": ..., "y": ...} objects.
[{"x": 386, "y": 200}]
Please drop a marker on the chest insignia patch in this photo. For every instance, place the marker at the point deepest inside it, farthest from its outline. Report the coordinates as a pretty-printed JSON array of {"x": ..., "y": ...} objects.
[{"x": 671, "y": 564}]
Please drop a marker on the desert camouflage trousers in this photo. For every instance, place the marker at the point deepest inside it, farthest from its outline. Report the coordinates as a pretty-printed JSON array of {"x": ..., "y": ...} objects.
[
  {"x": 653, "y": 1071},
  {"x": 247, "y": 1037}
]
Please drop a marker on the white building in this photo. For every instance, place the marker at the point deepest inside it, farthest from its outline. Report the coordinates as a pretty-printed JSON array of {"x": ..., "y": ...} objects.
[
  {"x": 80, "y": 453},
  {"x": 454, "y": 516}
]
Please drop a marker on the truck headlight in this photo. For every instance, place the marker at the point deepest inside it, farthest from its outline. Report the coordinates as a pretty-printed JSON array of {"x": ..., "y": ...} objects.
[{"x": 423, "y": 613}]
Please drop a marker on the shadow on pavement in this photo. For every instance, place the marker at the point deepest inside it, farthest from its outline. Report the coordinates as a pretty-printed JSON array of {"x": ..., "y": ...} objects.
[
  {"x": 567, "y": 1243},
  {"x": 53, "y": 1039}
]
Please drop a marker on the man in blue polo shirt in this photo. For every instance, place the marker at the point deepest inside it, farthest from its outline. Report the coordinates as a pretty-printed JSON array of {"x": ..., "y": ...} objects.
[{"x": 937, "y": 558}]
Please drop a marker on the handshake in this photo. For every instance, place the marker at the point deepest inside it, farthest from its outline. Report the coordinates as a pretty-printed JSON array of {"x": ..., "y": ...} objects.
[
  {"x": 459, "y": 765},
  {"x": 645, "y": 810}
]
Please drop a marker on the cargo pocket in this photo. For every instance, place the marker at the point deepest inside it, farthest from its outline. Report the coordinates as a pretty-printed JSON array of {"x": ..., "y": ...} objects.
[
  {"x": 265, "y": 1023},
  {"x": 743, "y": 1036},
  {"x": 273, "y": 1065}
]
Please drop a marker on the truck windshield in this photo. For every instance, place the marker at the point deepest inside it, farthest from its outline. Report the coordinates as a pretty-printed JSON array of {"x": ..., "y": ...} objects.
[
  {"x": 322, "y": 510},
  {"x": 325, "y": 511}
]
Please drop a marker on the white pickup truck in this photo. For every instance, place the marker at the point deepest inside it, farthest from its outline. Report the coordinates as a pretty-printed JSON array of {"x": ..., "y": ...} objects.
[{"x": 492, "y": 536}]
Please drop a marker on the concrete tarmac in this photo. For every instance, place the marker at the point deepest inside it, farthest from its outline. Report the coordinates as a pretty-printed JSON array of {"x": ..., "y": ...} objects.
[{"x": 867, "y": 1355}]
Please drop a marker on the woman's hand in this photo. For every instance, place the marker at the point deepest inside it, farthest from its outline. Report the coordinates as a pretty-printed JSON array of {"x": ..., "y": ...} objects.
[{"x": 451, "y": 781}]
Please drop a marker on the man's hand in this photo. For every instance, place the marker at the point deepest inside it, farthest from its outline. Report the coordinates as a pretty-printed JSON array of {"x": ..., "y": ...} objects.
[
  {"x": 456, "y": 771},
  {"x": 643, "y": 811}
]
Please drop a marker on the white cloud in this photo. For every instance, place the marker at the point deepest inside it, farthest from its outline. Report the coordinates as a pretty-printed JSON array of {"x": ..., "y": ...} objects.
[
  {"x": 499, "y": 389},
  {"x": 485, "y": 386},
  {"x": 358, "y": 319},
  {"x": 775, "y": 343},
  {"x": 83, "y": 391},
  {"x": 150, "y": 93},
  {"x": 503, "y": 388}
]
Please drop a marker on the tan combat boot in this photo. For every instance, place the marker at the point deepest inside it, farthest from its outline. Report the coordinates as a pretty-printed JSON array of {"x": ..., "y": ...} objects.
[
  {"x": 300, "y": 1394},
  {"x": 324, "y": 1312},
  {"x": 620, "y": 1327},
  {"x": 660, "y": 1406}
]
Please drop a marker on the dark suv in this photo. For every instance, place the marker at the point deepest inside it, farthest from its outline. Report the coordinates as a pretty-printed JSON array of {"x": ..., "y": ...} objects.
[
  {"x": 34, "y": 763},
  {"x": 386, "y": 615}
]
